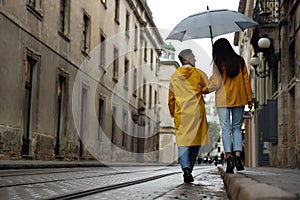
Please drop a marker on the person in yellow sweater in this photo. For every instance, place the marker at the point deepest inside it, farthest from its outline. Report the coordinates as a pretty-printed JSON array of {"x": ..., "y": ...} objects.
[
  {"x": 186, "y": 106},
  {"x": 231, "y": 82}
]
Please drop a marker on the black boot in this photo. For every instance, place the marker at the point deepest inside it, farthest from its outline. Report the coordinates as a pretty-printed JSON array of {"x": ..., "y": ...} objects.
[
  {"x": 238, "y": 163},
  {"x": 187, "y": 176},
  {"x": 230, "y": 165}
]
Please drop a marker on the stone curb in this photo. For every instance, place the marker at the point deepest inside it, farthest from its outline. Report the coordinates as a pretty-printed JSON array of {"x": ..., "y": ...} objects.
[{"x": 238, "y": 186}]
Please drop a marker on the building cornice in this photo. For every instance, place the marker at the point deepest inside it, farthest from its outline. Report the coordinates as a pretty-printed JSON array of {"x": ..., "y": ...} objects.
[
  {"x": 136, "y": 13},
  {"x": 149, "y": 17},
  {"x": 170, "y": 62}
]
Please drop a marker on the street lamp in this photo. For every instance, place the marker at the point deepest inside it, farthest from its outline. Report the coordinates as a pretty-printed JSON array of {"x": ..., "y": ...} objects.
[
  {"x": 263, "y": 44},
  {"x": 255, "y": 61}
]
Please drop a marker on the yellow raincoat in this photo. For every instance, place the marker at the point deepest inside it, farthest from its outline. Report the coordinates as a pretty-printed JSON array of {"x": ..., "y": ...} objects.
[{"x": 186, "y": 106}]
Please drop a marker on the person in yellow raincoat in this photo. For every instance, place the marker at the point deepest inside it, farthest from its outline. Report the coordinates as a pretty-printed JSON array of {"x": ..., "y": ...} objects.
[{"x": 186, "y": 106}]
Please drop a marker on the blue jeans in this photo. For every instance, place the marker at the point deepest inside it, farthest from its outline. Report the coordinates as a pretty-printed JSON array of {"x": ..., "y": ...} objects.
[
  {"x": 233, "y": 128},
  {"x": 187, "y": 156}
]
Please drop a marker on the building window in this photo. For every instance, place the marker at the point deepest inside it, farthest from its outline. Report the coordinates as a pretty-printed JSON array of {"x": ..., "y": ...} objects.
[
  {"x": 145, "y": 51},
  {"x": 86, "y": 33},
  {"x": 135, "y": 37},
  {"x": 62, "y": 13},
  {"x": 29, "y": 90},
  {"x": 83, "y": 117},
  {"x": 32, "y": 3},
  {"x": 155, "y": 102},
  {"x": 113, "y": 125},
  {"x": 126, "y": 76},
  {"x": 133, "y": 128},
  {"x": 148, "y": 134},
  {"x": 157, "y": 67},
  {"x": 101, "y": 115},
  {"x": 35, "y": 7},
  {"x": 151, "y": 59},
  {"x": 144, "y": 90},
  {"x": 116, "y": 64},
  {"x": 135, "y": 82},
  {"x": 127, "y": 25},
  {"x": 64, "y": 16},
  {"x": 117, "y": 11},
  {"x": 102, "y": 50},
  {"x": 124, "y": 131},
  {"x": 61, "y": 104},
  {"x": 150, "y": 96}
]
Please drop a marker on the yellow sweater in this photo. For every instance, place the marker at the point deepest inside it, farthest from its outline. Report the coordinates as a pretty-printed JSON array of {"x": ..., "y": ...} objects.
[{"x": 230, "y": 91}]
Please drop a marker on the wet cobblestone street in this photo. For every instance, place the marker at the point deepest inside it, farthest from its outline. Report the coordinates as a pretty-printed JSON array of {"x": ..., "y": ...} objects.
[{"x": 107, "y": 183}]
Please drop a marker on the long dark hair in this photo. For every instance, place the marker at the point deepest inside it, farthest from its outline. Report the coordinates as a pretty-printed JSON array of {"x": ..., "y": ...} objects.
[{"x": 224, "y": 55}]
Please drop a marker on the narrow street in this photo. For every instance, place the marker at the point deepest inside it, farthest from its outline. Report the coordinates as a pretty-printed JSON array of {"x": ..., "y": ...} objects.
[{"x": 111, "y": 183}]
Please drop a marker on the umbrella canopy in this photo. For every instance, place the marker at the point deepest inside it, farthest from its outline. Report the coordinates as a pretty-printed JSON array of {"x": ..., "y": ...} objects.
[{"x": 211, "y": 23}]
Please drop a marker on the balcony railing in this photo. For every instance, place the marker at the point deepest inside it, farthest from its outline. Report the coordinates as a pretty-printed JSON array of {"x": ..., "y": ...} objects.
[{"x": 266, "y": 11}]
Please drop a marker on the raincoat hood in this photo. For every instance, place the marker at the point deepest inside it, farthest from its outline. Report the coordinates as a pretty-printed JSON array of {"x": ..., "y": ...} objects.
[{"x": 185, "y": 72}]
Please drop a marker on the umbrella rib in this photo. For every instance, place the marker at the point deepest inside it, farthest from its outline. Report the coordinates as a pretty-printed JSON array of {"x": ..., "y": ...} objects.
[{"x": 239, "y": 26}]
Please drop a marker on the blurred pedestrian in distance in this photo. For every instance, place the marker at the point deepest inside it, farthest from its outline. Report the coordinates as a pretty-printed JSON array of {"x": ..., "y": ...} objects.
[
  {"x": 222, "y": 157},
  {"x": 199, "y": 160},
  {"x": 231, "y": 82},
  {"x": 216, "y": 160},
  {"x": 186, "y": 106}
]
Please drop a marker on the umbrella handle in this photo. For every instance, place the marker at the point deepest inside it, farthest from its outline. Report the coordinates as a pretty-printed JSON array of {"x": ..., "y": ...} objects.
[{"x": 211, "y": 37}]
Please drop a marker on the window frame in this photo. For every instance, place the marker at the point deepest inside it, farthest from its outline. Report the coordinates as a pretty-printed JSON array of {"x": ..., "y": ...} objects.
[
  {"x": 127, "y": 23},
  {"x": 135, "y": 76},
  {"x": 117, "y": 11},
  {"x": 145, "y": 51},
  {"x": 124, "y": 129},
  {"x": 34, "y": 7},
  {"x": 86, "y": 33},
  {"x": 64, "y": 19},
  {"x": 116, "y": 64},
  {"x": 126, "y": 74},
  {"x": 102, "y": 50},
  {"x": 101, "y": 114},
  {"x": 32, "y": 3}
]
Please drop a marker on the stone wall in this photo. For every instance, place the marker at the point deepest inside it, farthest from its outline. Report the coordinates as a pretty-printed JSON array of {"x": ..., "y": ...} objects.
[{"x": 33, "y": 33}]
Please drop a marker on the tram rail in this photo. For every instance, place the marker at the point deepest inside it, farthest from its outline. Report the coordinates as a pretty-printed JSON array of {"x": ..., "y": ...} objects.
[
  {"x": 70, "y": 184},
  {"x": 107, "y": 188}
]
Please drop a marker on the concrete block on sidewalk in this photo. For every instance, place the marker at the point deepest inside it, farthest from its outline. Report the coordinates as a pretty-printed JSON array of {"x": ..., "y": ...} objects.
[
  {"x": 262, "y": 191},
  {"x": 228, "y": 178},
  {"x": 237, "y": 184}
]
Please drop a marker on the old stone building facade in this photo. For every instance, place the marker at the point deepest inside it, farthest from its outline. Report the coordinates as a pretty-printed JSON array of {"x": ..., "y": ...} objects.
[
  {"x": 78, "y": 80},
  {"x": 275, "y": 124},
  {"x": 167, "y": 140}
]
